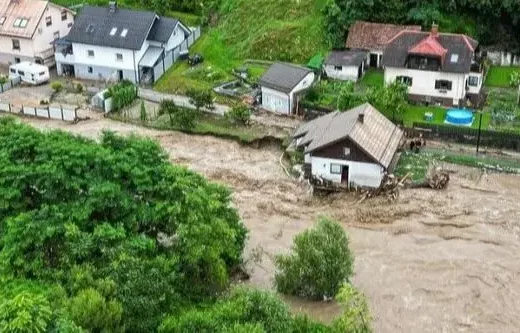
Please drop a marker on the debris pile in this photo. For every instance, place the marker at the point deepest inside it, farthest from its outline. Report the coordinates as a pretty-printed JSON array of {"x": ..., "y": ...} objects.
[
  {"x": 389, "y": 188},
  {"x": 438, "y": 179}
]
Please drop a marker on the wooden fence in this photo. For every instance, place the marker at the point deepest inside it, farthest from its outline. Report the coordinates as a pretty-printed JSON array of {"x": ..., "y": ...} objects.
[{"x": 56, "y": 112}]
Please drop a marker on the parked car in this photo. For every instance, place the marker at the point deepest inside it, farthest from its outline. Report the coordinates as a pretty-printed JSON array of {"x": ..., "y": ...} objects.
[{"x": 195, "y": 59}]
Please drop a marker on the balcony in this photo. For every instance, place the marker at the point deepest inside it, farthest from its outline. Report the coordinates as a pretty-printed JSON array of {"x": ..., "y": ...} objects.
[
  {"x": 64, "y": 54},
  {"x": 45, "y": 54}
]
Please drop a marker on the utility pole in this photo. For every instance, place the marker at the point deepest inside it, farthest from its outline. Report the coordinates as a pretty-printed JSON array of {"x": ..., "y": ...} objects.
[{"x": 479, "y": 129}]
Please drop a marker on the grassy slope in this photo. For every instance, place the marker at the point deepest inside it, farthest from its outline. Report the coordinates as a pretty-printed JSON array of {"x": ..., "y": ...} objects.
[{"x": 284, "y": 30}]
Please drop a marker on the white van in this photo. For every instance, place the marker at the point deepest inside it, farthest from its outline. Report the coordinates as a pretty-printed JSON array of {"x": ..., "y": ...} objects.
[{"x": 29, "y": 72}]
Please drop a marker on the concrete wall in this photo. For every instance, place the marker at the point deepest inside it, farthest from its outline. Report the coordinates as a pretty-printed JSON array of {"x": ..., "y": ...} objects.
[
  {"x": 275, "y": 101},
  {"x": 503, "y": 58},
  {"x": 423, "y": 82},
  {"x": 102, "y": 72},
  {"x": 360, "y": 174},
  {"x": 346, "y": 73}
]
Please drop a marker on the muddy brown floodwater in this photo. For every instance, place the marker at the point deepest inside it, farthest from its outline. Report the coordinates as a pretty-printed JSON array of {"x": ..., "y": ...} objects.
[{"x": 434, "y": 261}]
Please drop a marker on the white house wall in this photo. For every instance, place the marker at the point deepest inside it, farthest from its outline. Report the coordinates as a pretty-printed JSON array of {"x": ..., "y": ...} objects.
[
  {"x": 305, "y": 83},
  {"x": 360, "y": 174},
  {"x": 473, "y": 89},
  {"x": 275, "y": 101},
  {"x": 44, "y": 35},
  {"x": 423, "y": 82},
  {"x": 346, "y": 72},
  {"x": 177, "y": 37},
  {"x": 8, "y": 55}
]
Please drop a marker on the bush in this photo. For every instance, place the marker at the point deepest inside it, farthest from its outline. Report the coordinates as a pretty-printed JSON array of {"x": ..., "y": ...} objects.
[
  {"x": 79, "y": 88},
  {"x": 143, "y": 112},
  {"x": 319, "y": 264},
  {"x": 182, "y": 117},
  {"x": 239, "y": 115},
  {"x": 122, "y": 94},
  {"x": 200, "y": 98},
  {"x": 57, "y": 86}
]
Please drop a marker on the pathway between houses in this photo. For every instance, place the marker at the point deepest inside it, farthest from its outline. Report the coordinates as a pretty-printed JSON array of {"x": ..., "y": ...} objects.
[{"x": 180, "y": 100}]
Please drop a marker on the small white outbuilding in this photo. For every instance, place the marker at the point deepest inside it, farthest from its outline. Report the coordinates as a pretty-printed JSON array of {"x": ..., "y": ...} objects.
[
  {"x": 346, "y": 65},
  {"x": 282, "y": 85}
]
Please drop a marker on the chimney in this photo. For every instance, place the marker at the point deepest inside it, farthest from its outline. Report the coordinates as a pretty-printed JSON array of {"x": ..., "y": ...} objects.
[
  {"x": 435, "y": 30},
  {"x": 112, "y": 6},
  {"x": 361, "y": 117}
]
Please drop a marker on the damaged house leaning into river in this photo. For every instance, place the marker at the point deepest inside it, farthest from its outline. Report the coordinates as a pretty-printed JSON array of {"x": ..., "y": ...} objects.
[{"x": 348, "y": 149}]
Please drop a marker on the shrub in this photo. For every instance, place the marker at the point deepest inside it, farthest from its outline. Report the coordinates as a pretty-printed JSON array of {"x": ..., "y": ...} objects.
[
  {"x": 200, "y": 98},
  {"x": 3, "y": 80},
  {"x": 79, "y": 88},
  {"x": 182, "y": 117},
  {"x": 57, "y": 86},
  {"x": 239, "y": 114},
  {"x": 319, "y": 264},
  {"x": 123, "y": 94}
]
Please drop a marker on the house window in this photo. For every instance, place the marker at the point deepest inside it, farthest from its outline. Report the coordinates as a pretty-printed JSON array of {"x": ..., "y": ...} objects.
[
  {"x": 69, "y": 25},
  {"x": 64, "y": 15},
  {"x": 17, "y": 22},
  {"x": 48, "y": 21},
  {"x": 22, "y": 73},
  {"x": 90, "y": 53},
  {"x": 338, "y": 68},
  {"x": 16, "y": 60},
  {"x": 346, "y": 151},
  {"x": 119, "y": 57},
  {"x": 124, "y": 32},
  {"x": 335, "y": 169},
  {"x": 113, "y": 31},
  {"x": 56, "y": 35},
  {"x": 16, "y": 44},
  {"x": 405, "y": 80},
  {"x": 12, "y": 70},
  {"x": 90, "y": 70},
  {"x": 473, "y": 81},
  {"x": 442, "y": 84},
  {"x": 23, "y": 23},
  {"x": 2, "y": 20}
]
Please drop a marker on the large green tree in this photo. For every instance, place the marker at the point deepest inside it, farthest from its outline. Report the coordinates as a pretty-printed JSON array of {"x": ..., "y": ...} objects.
[
  {"x": 320, "y": 262},
  {"x": 113, "y": 223}
]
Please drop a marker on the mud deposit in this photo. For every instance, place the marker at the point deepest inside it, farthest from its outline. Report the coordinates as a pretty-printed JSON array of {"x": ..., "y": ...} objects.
[{"x": 446, "y": 261}]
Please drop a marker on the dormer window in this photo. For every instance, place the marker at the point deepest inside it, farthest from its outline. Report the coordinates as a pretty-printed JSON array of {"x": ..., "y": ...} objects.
[
  {"x": 124, "y": 32},
  {"x": 113, "y": 31},
  {"x": 23, "y": 23},
  {"x": 2, "y": 20},
  {"x": 17, "y": 22},
  {"x": 454, "y": 58}
]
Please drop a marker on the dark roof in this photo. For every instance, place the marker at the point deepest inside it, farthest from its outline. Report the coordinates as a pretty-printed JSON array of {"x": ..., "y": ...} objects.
[
  {"x": 283, "y": 77},
  {"x": 94, "y": 24},
  {"x": 374, "y": 36},
  {"x": 377, "y": 136},
  {"x": 162, "y": 29},
  {"x": 346, "y": 58},
  {"x": 396, "y": 52}
]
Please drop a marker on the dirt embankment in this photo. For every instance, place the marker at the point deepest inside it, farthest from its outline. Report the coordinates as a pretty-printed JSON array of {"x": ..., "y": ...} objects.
[{"x": 445, "y": 261}]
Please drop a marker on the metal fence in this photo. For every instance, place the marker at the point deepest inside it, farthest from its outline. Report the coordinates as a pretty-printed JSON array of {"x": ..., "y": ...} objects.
[
  {"x": 11, "y": 83},
  {"x": 48, "y": 112},
  {"x": 171, "y": 56},
  {"x": 467, "y": 135}
]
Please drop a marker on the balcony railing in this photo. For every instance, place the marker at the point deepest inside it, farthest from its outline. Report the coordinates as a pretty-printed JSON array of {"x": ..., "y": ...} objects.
[{"x": 45, "y": 54}]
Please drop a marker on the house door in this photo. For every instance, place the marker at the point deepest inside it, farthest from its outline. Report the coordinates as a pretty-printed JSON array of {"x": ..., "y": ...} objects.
[
  {"x": 360, "y": 72},
  {"x": 344, "y": 175},
  {"x": 373, "y": 60},
  {"x": 120, "y": 75}
]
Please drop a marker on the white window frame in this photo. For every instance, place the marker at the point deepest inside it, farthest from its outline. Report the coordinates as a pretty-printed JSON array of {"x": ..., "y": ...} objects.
[
  {"x": 333, "y": 167},
  {"x": 476, "y": 78}
]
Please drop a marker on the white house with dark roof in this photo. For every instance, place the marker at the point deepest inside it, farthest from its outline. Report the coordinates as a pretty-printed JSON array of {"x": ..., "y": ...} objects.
[
  {"x": 348, "y": 65},
  {"x": 439, "y": 68},
  {"x": 282, "y": 85},
  {"x": 111, "y": 43},
  {"x": 351, "y": 148},
  {"x": 28, "y": 29}
]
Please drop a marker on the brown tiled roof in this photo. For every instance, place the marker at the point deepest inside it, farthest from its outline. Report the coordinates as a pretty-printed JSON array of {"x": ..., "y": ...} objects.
[
  {"x": 32, "y": 10},
  {"x": 377, "y": 136},
  {"x": 374, "y": 36}
]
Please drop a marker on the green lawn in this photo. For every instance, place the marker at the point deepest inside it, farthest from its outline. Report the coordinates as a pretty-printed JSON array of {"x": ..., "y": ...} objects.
[
  {"x": 415, "y": 113},
  {"x": 372, "y": 78},
  {"x": 499, "y": 76}
]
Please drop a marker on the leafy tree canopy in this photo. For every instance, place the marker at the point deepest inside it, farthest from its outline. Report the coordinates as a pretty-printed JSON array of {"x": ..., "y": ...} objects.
[{"x": 114, "y": 224}]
